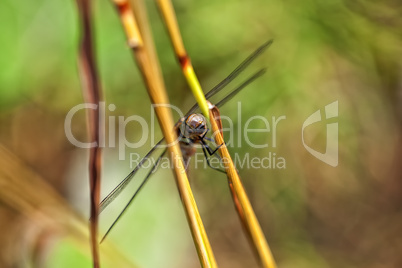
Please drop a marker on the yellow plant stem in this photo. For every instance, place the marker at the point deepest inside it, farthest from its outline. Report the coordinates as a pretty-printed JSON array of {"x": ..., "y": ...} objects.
[
  {"x": 130, "y": 26},
  {"x": 195, "y": 86},
  {"x": 172, "y": 26},
  {"x": 146, "y": 59},
  {"x": 240, "y": 197}
]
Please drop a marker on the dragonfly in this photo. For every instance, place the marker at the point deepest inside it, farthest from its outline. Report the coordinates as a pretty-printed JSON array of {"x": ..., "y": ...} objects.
[{"x": 191, "y": 130}]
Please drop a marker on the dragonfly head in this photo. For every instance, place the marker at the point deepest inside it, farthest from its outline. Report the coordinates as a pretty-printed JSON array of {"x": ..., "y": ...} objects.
[{"x": 195, "y": 126}]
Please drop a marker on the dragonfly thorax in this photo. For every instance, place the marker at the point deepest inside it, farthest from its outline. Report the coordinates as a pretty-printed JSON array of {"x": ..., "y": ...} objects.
[{"x": 195, "y": 127}]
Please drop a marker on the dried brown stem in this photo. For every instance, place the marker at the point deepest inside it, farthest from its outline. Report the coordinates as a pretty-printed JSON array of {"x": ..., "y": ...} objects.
[
  {"x": 91, "y": 90},
  {"x": 141, "y": 42},
  {"x": 239, "y": 195}
]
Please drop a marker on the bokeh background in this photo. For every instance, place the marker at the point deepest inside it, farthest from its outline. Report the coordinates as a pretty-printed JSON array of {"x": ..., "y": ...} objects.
[{"x": 313, "y": 215}]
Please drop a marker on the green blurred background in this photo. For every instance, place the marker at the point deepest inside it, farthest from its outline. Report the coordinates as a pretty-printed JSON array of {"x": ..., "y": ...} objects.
[{"x": 313, "y": 215}]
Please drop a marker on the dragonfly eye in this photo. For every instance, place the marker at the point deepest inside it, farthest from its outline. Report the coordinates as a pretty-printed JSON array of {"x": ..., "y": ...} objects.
[{"x": 195, "y": 121}]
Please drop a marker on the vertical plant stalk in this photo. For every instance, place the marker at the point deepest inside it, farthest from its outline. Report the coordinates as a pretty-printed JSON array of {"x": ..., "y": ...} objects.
[
  {"x": 92, "y": 94},
  {"x": 240, "y": 198},
  {"x": 239, "y": 195},
  {"x": 141, "y": 43},
  {"x": 168, "y": 14}
]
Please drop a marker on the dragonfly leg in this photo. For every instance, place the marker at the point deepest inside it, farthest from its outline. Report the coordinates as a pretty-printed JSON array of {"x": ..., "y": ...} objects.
[
  {"x": 206, "y": 150},
  {"x": 207, "y": 147},
  {"x": 208, "y": 139}
]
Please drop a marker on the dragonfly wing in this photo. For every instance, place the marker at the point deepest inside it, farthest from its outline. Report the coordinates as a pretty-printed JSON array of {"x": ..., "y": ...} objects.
[
  {"x": 136, "y": 193},
  {"x": 123, "y": 184},
  {"x": 239, "y": 88},
  {"x": 239, "y": 69},
  {"x": 233, "y": 74}
]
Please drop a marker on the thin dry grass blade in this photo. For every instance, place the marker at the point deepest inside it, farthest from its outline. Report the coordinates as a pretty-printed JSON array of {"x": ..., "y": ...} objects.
[
  {"x": 239, "y": 195},
  {"x": 146, "y": 59},
  {"x": 91, "y": 89},
  {"x": 166, "y": 8},
  {"x": 28, "y": 194}
]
